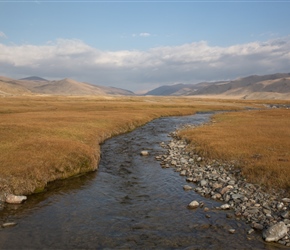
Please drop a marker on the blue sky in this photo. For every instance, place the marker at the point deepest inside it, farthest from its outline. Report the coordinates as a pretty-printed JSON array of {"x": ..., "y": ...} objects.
[{"x": 140, "y": 45}]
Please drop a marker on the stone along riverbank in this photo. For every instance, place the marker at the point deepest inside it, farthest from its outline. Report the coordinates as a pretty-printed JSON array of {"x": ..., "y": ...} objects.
[{"x": 266, "y": 213}]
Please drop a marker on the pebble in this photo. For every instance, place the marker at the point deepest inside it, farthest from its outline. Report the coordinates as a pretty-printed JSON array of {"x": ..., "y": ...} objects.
[
  {"x": 223, "y": 182},
  {"x": 9, "y": 224},
  {"x": 15, "y": 199},
  {"x": 225, "y": 206},
  {"x": 144, "y": 153},
  {"x": 187, "y": 187},
  {"x": 193, "y": 204}
]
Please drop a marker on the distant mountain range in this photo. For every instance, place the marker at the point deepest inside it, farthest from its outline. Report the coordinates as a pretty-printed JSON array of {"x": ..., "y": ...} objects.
[
  {"x": 37, "y": 85},
  {"x": 274, "y": 86}
]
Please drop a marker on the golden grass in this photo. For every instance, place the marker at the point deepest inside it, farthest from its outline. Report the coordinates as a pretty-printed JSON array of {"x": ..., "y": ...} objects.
[
  {"x": 47, "y": 138},
  {"x": 258, "y": 140}
]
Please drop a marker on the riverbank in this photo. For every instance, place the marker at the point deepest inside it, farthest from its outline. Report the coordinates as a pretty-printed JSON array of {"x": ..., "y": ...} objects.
[
  {"x": 267, "y": 211},
  {"x": 46, "y": 138},
  {"x": 257, "y": 141},
  {"x": 129, "y": 203}
]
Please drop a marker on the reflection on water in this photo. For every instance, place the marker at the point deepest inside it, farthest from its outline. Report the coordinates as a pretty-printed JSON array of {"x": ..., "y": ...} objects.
[{"x": 129, "y": 203}]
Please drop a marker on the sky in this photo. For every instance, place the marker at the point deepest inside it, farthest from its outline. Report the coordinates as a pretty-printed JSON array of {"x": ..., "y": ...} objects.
[{"x": 140, "y": 45}]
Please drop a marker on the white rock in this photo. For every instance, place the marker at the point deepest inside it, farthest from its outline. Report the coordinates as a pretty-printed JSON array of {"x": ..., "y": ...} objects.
[
  {"x": 286, "y": 200},
  {"x": 9, "y": 224},
  {"x": 144, "y": 153},
  {"x": 275, "y": 232},
  {"x": 15, "y": 199},
  {"x": 193, "y": 204},
  {"x": 203, "y": 183},
  {"x": 225, "y": 206},
  {"x": 199, "y": 159}
]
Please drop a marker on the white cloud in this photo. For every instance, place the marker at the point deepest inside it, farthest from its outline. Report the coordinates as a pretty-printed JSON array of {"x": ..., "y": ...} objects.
[
  {"x": 143, "y": 34},
  {"x": 2, "y": 34},
  {"x": 139, "y": 70}
]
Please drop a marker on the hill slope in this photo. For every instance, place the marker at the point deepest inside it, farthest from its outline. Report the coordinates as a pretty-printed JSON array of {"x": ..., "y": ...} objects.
[
  {"x": 274, "y": 86},
  {"x": 37, "y": 85}
]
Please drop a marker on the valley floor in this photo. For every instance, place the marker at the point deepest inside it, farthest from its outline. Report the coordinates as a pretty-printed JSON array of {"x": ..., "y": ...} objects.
[{"x": 49, "y": 138}]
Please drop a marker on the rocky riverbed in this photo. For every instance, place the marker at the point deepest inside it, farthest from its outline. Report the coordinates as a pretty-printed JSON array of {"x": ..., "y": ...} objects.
[{"x": 268, "y": 213}]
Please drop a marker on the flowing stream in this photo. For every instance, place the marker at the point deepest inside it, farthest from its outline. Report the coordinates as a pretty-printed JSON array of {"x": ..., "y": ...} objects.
[{"x": 129, "y": 203}]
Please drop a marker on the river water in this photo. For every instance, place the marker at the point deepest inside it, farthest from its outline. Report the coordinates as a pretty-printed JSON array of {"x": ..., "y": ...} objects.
[{"x": 129, "y": 203}]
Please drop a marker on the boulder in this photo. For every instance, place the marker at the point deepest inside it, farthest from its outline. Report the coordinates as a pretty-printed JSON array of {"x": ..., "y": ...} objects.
[{"x": 275, "y": 232}]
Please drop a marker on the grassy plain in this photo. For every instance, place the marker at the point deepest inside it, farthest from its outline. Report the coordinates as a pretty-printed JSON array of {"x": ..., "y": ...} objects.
[
  {"x": 258, "y": 141},
  {"x": 46, "y": 138}
]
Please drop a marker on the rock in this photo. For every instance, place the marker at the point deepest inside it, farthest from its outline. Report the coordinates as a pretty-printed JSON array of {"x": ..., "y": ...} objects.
[
  {"x": 232, "y": 182},
  {"x": 216, "y": 185},
  {"x": 275, "y": 232},
  {"x": 9, "y": 224},
  {"x": 285, "y": 215},
  {"x": 173, "y": 162},
  {"x": 193, "y": 204},
  {"x": 232, "y": 231},
  {"x": 199, "y": 159},
  {"x": 189, "y": 179},
  {"x": 286, "y": 200},
  {"x": 144, "y": 153},
  {"x": 225, "y": 206},
  {"x": 203, "y": 183},
  {"x": 237, "y": 196},
  {"x": 15, "y": 199},
  {"x": 250, "y": 231},
  {"x": 224, "y": 190},
  {"x": 183, "y": 173},
  {"x": 257, "y": 226},
  {"x": 187, "y": 187},
  {"x": 280, "y": 205}
]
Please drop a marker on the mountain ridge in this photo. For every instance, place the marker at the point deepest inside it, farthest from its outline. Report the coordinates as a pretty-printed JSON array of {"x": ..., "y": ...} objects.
[
  {"x": 272, "y": 86},
  {"x": 35, "y": 85}
]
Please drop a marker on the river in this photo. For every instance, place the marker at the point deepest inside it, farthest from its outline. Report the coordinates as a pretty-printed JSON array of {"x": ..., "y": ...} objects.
[{"x": 129, "y": 203}]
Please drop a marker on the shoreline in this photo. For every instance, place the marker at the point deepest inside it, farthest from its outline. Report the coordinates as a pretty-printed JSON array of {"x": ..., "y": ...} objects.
[{"x": 266, "y": 212}]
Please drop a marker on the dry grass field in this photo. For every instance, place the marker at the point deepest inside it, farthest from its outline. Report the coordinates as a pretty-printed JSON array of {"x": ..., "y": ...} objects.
[
  {"x": 258, "y": 140},
  {"x": 46, "y": 138}
]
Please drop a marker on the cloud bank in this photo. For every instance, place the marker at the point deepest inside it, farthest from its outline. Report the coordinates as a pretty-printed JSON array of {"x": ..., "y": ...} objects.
[{"x": 144, "y": 70}]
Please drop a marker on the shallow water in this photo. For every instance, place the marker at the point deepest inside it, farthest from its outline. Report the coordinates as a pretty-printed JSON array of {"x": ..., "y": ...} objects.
[{"x": 129, "y": 203}]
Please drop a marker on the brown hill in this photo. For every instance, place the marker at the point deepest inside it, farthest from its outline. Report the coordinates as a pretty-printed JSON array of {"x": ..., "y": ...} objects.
[
  {"x": 274, "y": 86},
  {"x": 67, "y": 87},
  {"x": 267, "y": 86},
  {"x": 37, "y": 85},
  {"x": 9, "y": 86}
]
